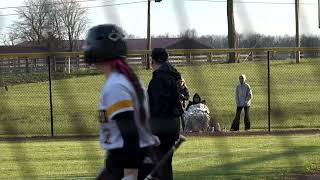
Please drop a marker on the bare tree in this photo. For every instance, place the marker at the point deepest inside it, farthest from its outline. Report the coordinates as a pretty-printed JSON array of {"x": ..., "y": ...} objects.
[
  {"x": 59, "y": 19},
  {"x": 166, "y": 35},
  {"x": 10, "y": 38},
  {"x": 55, "y": 27},
  {"x": 33, "y": 21},
  {"x": 189, "y": 33},
  {"x": 129, "y": 36},
  {"x": 13, "y": 37},
  {"x": 4, "y": 39},
  {"x": 74, "y": 20}
]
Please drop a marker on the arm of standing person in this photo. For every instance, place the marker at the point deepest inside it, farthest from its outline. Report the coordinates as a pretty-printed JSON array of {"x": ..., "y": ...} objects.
[
  {"x": 237, "y": 96},
  {"x": 129, "y": 132},
  {"x": 185, "y": 94},
  {"x": 159, "y": 96},
  {"x": 120, "y": 108},
  {"x": 189, "y": 104},
  {"x": 249, "y": 95}
]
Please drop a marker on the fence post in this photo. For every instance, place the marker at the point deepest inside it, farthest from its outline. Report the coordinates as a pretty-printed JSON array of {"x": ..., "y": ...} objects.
[
  {"x": 50, "y": 95},
  {"x": 209, "y": 56},
  {"x": 269, "y": 105},
  {"x": 69, "y": 65},
  {"x": 55, "y": 64},
  {"x": 27, "y": 65}
]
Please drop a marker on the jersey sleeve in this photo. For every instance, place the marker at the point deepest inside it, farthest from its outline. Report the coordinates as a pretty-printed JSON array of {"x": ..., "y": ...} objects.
[{"x": 115, "y": 100}]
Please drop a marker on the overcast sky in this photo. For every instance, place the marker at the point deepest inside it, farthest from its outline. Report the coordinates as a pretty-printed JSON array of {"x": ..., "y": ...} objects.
[{"x": 271, "y": 17}]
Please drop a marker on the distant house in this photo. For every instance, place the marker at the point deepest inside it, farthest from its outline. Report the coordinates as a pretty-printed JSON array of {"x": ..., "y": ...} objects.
[
  {"x": 58, "y": 46},
  {"x": 133, "y": 44},
  {"x": 61, "y": 63},
  {"x": 168, "y": 43},
  {"x": 21, "y": 49}
]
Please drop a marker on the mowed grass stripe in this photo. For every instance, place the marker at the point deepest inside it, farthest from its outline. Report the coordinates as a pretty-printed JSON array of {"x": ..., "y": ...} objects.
[{"x": 252, "y": 157}]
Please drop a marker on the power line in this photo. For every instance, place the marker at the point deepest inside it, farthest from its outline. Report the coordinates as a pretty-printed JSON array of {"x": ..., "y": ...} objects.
[
  {"x": 252, "y": 2},
  {"x": 214, "y": 1},
  {"x": 81, "y": 1},
  {"x": 90, "y": 7},
  {"x": 136, "y": 2},
  {"x": 16, "y": 7}
]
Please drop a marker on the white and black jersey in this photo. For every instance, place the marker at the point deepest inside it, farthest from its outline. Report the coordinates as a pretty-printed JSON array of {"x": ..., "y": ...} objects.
[{"x": 118, "y": 96}]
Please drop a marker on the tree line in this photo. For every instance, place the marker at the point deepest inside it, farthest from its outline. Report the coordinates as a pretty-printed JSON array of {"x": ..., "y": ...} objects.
[
  {"x": 253, "y": 40},
  {"x": 48, "y": 20},
  {"x": 56, "y": 20},
  {"x": 260, "y": 41}
]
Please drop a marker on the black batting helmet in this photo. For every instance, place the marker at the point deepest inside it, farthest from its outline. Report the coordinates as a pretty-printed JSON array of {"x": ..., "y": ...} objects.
[
  {"x": 159, "y": 55},
  {"x": 104, "y": 42}
]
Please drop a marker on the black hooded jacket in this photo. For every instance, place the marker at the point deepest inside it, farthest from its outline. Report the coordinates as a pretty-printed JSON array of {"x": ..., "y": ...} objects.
[
  {"x": 163, "y": 92},
  {"x": 193, "y": 101}
]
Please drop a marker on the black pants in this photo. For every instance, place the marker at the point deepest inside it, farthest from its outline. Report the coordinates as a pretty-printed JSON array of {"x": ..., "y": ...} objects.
[
  {"x": 236, "y": 121},
  {"x": 165, "y": 171},
  {"x": 182, "y": 122},
  {"x": 168, "y": 130},
  {"x": 114, "y": 164}
]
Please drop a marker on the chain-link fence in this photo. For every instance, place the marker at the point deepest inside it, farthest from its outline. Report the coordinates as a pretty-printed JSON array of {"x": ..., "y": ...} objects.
[{"x": 61, "y": 97}]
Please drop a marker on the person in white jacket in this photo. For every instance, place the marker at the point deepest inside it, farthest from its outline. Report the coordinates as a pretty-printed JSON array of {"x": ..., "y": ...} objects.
[{"x": 243, "y": 100}]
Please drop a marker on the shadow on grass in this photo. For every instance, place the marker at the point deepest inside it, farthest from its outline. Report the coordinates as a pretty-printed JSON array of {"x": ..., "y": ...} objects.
[{"x": 237, "y": 170}]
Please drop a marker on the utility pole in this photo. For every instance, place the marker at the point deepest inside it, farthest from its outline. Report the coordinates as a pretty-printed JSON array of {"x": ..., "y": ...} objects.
[
  {"x": 149, "y": 33},
  {"x": 232, "y": 39},
  {"x": 148, "y": 36},
  {"x": 319, "y": 13},
  {"x": 297, "y": 5}
]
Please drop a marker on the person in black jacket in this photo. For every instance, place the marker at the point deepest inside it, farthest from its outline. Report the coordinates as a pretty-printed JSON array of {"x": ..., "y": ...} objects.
[
  {"x": 165, "y": 107},
  {"x": 184, "y": 92},
  {"x": 184, "y": 96}
]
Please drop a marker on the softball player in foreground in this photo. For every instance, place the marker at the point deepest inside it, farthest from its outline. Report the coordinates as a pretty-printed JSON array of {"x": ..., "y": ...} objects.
[{"x": 123, "y": 108}]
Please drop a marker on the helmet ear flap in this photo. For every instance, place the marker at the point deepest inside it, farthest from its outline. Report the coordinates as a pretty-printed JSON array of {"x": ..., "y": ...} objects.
[{"x": 104, "y": 42}]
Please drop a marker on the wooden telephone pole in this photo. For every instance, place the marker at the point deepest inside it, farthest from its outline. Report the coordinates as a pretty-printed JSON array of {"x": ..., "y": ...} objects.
[
  {"x": 297, "y": 7},
  {"x": 232, "y": 39},
  {"x": 148, "y": 37},
  {"x": 149, "y": 33}
]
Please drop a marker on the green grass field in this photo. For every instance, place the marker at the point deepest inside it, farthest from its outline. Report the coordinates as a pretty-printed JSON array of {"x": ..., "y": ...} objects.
[
  {"x": 294, "y": 98},
  {"x": 233, "y": 157}
]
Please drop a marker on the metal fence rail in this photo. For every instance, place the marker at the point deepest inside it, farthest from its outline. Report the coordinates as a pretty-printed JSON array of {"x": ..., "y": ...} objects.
[{"x": 44, "y": 93}]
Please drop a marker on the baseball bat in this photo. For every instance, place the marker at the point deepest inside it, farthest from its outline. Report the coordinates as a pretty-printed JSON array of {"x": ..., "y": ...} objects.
[{"x": 165, "y": 157}]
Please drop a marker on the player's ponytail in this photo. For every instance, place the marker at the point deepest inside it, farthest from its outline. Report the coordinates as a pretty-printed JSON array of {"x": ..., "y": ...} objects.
[{"x": 122, "y": 66}]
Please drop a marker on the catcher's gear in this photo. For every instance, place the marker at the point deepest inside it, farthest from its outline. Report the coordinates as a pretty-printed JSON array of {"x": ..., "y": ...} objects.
[{"x": 104, "y": 42}]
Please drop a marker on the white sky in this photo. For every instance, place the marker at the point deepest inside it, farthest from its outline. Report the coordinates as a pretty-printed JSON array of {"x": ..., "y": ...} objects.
[{"x": 205, "y": 16}]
